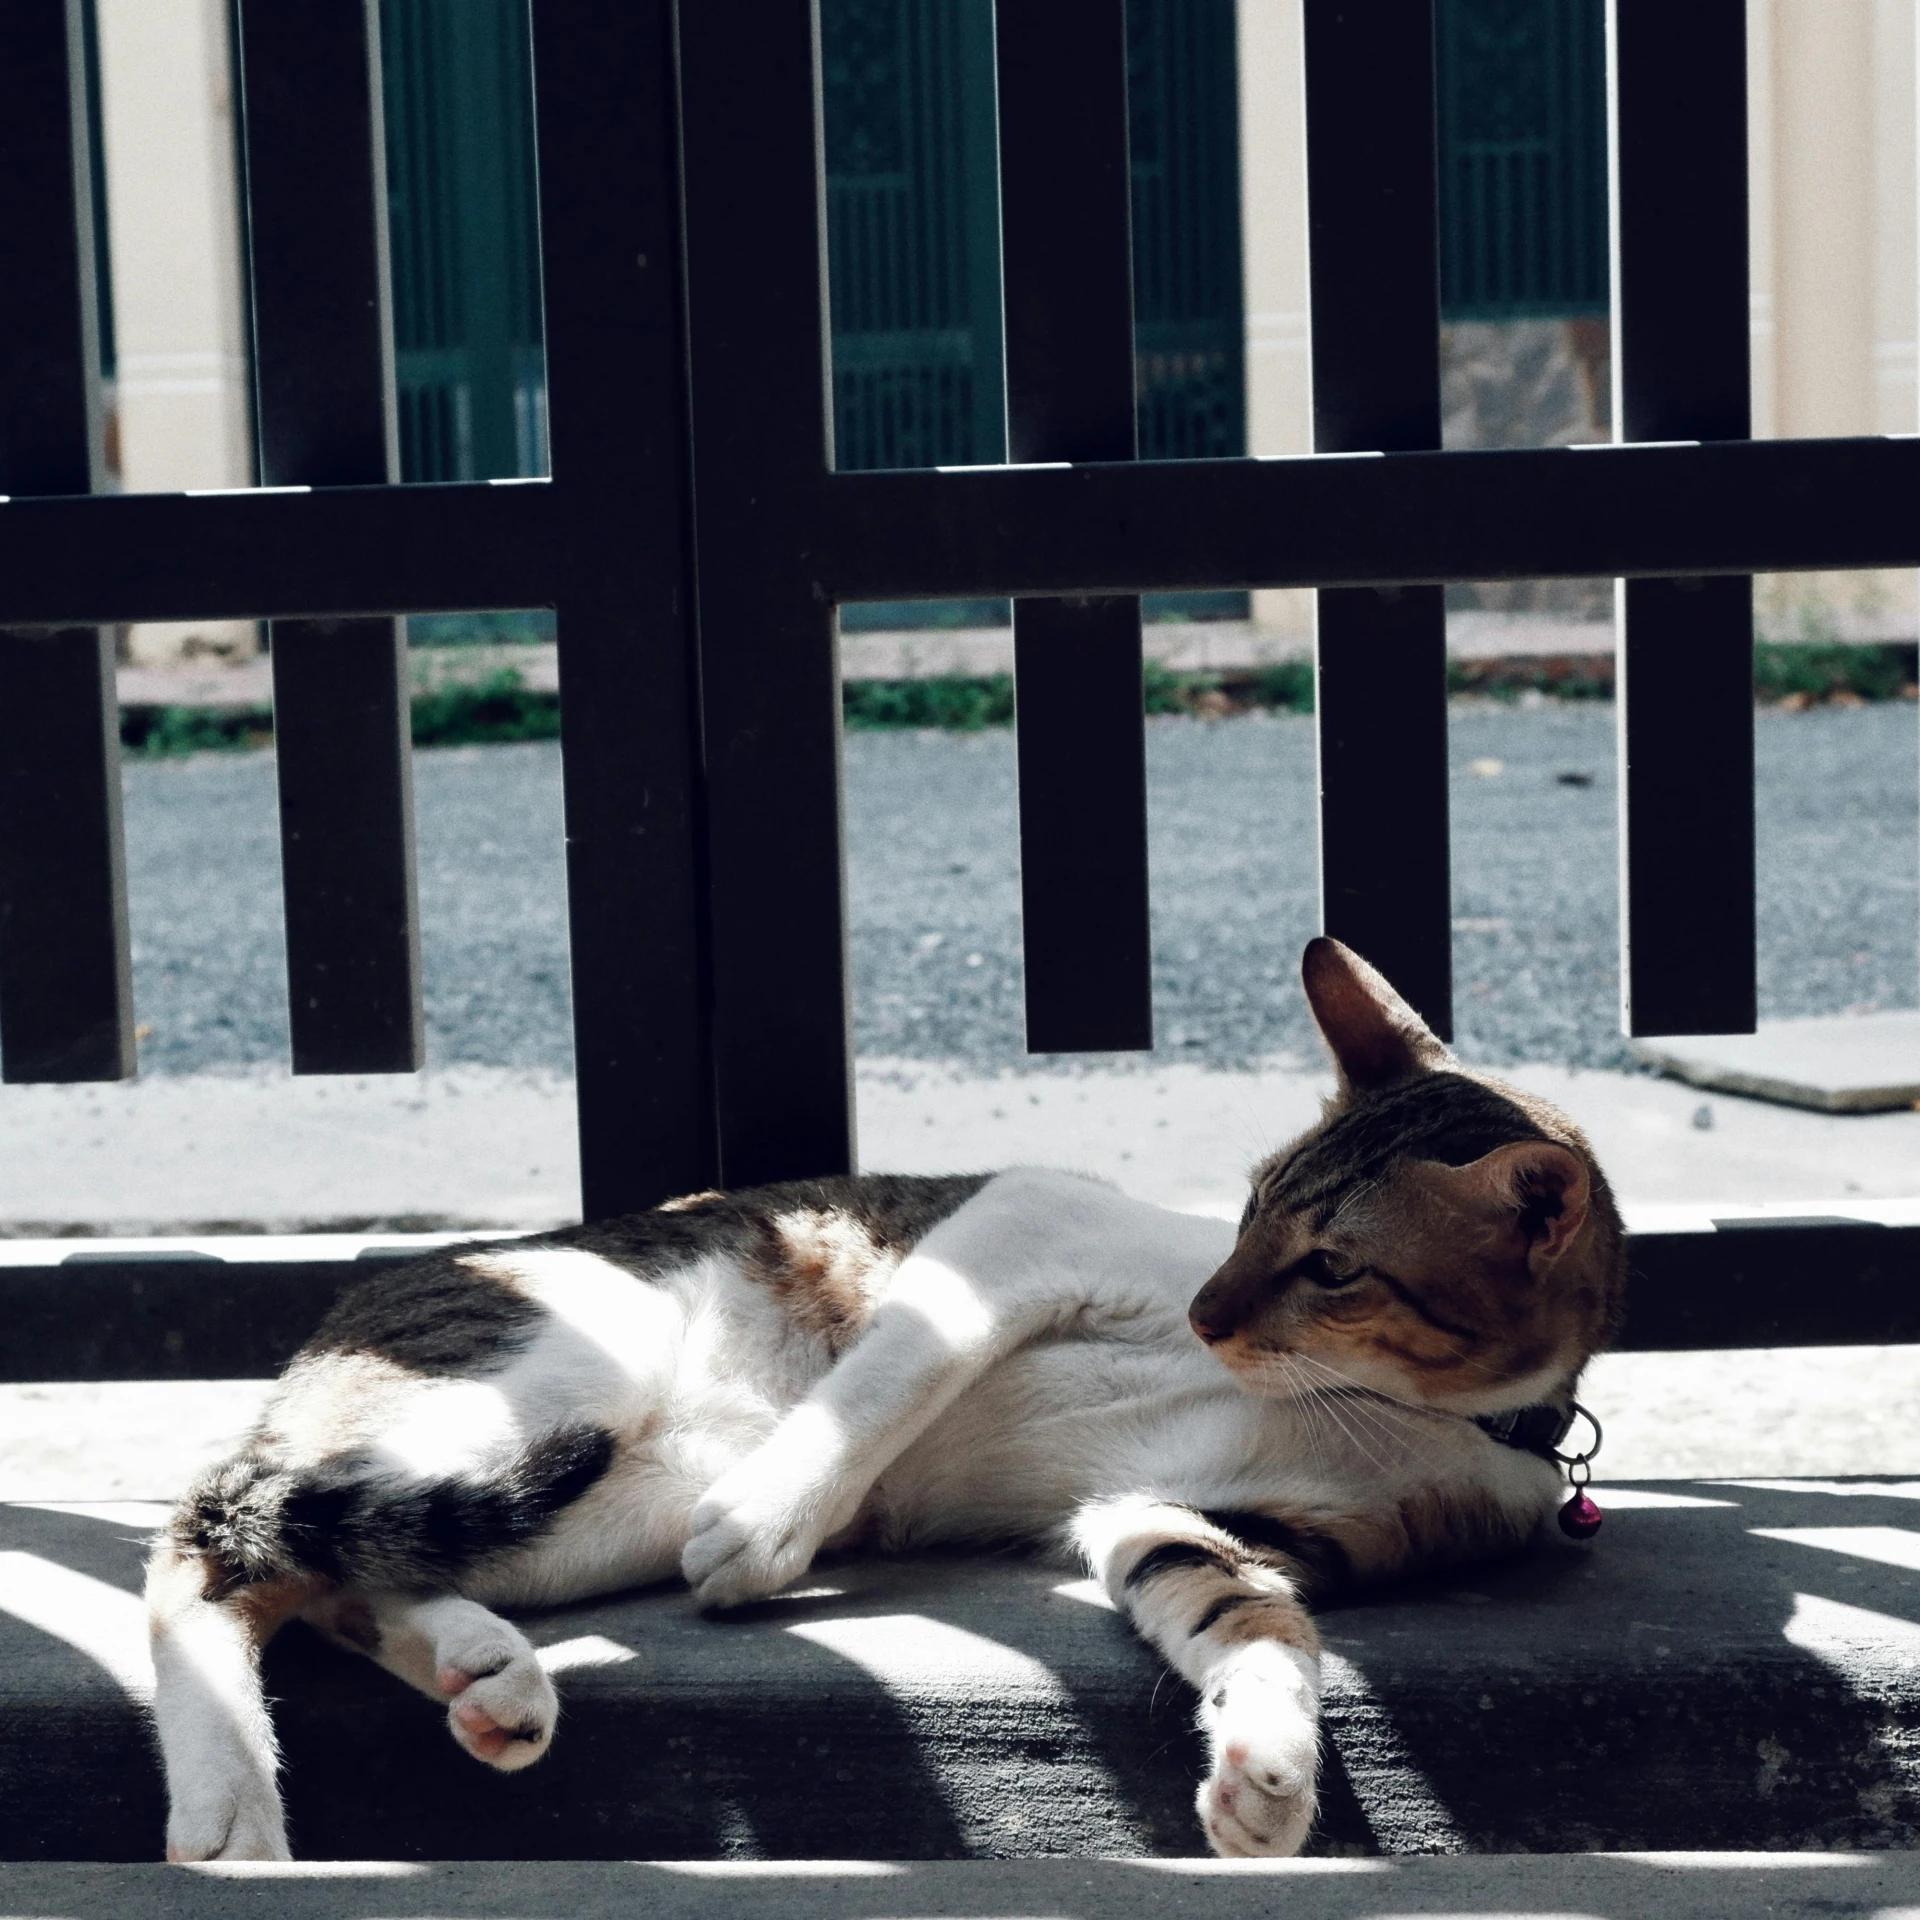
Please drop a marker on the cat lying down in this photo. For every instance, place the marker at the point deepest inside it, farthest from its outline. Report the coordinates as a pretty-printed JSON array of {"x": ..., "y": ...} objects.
[{"x": 1224, "y": 1426}]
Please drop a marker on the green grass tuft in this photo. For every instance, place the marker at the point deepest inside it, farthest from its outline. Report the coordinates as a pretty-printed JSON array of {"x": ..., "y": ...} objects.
[
  {"x": 501, "y": 707},
  {"x": 958, "y": 702},
  {"x": 1818, "y": 672}
]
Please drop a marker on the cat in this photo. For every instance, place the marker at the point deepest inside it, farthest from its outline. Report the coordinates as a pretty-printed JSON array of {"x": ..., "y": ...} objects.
[{"x": 1224, "y": 1424}]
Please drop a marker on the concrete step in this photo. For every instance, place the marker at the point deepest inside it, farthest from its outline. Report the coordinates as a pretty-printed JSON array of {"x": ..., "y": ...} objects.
[
  {"x": 1621, "y": 1886},
  {"x": 1730, "y": 1665}
]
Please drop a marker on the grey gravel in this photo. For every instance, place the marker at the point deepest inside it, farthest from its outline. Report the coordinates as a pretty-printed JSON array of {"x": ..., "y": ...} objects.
[
  {"x": 209, "y": 957},
  {"x": 934, "y": 890}
]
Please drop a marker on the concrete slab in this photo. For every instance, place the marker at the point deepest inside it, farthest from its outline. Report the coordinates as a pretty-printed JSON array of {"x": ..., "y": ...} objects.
[
  {"x": 1729, "y": 1665},
  {"x": 1842, "y": 1063},
  {"x": 262, "y": 1152},
  {"x": 1624, "y": 1886},
  {"x": 1184, "y": 1136}
]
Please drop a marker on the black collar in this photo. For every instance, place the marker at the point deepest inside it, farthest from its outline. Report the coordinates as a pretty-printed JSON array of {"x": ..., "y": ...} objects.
[{"x": 1530, "y": 1429}]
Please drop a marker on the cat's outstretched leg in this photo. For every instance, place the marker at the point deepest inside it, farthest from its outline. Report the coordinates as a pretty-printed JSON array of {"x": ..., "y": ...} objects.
[
  {"x": 216, "y": 1736},
  {"x": 1235, "y": 1627},
  {"x": 501, "y": 1706}
]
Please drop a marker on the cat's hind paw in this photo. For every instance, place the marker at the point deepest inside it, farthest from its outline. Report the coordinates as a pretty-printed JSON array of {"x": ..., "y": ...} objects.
[
  {"x": 244, "y": 1823},
  {"x": 1262, "y": 1791},
  {"x": 504, "y": 1717}
]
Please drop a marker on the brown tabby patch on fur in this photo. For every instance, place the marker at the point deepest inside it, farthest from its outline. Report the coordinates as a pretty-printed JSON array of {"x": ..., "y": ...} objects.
[
  {"x": 824, "y": 1268},
  {"x": 458, "y": 1309},
  {"x": 1263, "y": 1616}
]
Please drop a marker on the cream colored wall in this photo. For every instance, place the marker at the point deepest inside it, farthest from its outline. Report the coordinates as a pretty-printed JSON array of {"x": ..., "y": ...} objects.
[
  {"x": 173, "y": 218},
  {"x": 1273, "y": 218},
  {"x": 1833, "y": 210}
]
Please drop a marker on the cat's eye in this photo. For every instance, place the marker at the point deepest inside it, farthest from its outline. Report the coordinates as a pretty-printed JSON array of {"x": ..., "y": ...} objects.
[{"x": 1328, "y": 1267}]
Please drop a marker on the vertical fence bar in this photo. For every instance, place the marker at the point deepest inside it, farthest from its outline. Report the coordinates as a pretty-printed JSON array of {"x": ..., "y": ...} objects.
[
  {"x": 1067, "y": 265},
  {"x": 1680, "y": 356},
  {"x": 770, "y": 698},
  {"x": 65, "y": 978},
  {"x": 1381, "y": 655},
  {"x": 323, "y": 369},
  {"x": 606, "y": 133}
]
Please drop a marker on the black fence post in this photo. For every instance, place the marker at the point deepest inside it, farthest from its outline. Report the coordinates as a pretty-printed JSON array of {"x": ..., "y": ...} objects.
[
  {"x": 323, "y": 373},
  {"x": 607, "y": 136},
  {"x": 1380, "y": 653},
  {"x": 1067, "y": 273},
  {"x": 770, "y": 694},
  {"x": 66, "y": 998},
  {"x": 1685, "y": 682}
]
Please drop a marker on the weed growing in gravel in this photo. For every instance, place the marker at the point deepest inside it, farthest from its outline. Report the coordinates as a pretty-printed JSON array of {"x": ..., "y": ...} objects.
[
  {"x": 501, "y": 707},
  {"x": 1804, "y": 674},
  {"x": 960, "y": 703},
  {"x": 161, "y": 733}
]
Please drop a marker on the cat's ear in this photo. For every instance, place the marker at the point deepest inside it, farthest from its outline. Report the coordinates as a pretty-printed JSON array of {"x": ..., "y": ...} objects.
[
  {"x": 1540, "y": 1186},
  {"x": 1376, "y": 1038}
]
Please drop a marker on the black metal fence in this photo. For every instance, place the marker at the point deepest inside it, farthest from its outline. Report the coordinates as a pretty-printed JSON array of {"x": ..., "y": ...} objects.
[{"x": 695, "y": 541}]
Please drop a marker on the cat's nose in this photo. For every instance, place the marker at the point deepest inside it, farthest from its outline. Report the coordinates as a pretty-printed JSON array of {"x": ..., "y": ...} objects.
[{"x": 1210, "y": 1329}]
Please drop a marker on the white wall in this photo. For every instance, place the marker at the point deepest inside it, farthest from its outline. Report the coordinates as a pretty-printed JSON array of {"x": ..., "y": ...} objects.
[
  {"x": 1273, "y": 237},
  {"x": 173, "y": 218}
]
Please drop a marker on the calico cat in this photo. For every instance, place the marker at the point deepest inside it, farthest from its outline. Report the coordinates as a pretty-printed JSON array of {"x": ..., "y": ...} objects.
[{"x": 1224, "y": 1425}]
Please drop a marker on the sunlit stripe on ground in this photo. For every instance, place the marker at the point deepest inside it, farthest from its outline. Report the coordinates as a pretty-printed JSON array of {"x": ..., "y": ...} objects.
[
  {"x": 1889, "y": 1546},
  {"x": 1402, "y": 1808},
  {"x": 1855, "y": 1641},
  {"x": 910, "y": 1653},
  {"x": 106, "y": 1624}
]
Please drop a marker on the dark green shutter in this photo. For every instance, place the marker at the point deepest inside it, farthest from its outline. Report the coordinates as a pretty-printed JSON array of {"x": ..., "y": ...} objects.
[
  {"x": 1189, "y": 329},
  {"x": 913, "y": 241},
  {"x": 463, "y": 231},
  {"x": 1523, "y": 157},
  {"x": 912, "y": 236}
]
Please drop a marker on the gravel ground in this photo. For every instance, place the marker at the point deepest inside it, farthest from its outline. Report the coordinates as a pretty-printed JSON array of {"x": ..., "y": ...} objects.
[{"x": 935, "y": 893}]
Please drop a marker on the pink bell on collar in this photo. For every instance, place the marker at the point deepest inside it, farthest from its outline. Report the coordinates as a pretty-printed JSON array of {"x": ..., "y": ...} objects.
[{"x": 1580, "y": 1518}]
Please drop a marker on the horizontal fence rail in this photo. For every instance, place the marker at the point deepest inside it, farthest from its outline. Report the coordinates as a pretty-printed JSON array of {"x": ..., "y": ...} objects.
[{"x": 1631, "y": 512}]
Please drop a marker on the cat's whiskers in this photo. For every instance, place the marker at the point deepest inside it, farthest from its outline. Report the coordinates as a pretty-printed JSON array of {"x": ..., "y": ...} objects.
[
  {"x": 1390, "y": 1419},
  {"x": 1305, "y": 1397},
  {"x": 1329, "y": 1405}
]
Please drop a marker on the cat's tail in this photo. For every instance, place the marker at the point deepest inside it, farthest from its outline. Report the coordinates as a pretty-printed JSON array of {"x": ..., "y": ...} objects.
[{"x": 355, "y": 1520}]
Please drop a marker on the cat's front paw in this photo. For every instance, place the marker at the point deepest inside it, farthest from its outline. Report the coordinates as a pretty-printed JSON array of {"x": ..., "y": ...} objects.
[
  {"x": 759, "y": 1526},
  {"x": 1260, "y": 1714}
]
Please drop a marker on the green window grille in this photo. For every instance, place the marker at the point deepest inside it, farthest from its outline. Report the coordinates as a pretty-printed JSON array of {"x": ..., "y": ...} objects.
[
  {"x": 1189, "y": 328},
  {"x": 1523, "y": 158},
  {"x": 463, "y": 231},
  {"x": 913, "y": 243},
  {"x": 913, "y": 248}
]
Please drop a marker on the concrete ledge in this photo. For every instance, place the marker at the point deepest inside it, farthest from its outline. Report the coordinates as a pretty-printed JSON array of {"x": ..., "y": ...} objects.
[
  {"x": 1729, "y": 1666},
  {"x": 1844, "y": 1063},
  {"x": 1699, "y": 1886}
]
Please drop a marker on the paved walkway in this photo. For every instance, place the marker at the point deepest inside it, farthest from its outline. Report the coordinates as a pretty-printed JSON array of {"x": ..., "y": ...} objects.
[{"x": 471, "y": 1146}]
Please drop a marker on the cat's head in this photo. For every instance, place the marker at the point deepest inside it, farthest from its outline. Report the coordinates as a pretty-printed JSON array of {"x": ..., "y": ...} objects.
[{"x": 1438, "y": 1236}]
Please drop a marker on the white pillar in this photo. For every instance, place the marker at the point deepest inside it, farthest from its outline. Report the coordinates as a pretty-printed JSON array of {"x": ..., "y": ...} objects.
[
  {"x": 1831, "y": 115},
  {"x": 1897, "y": 408},
  {"x": 173, "y": 217},
  {"x": 1273, "y": 242}
]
